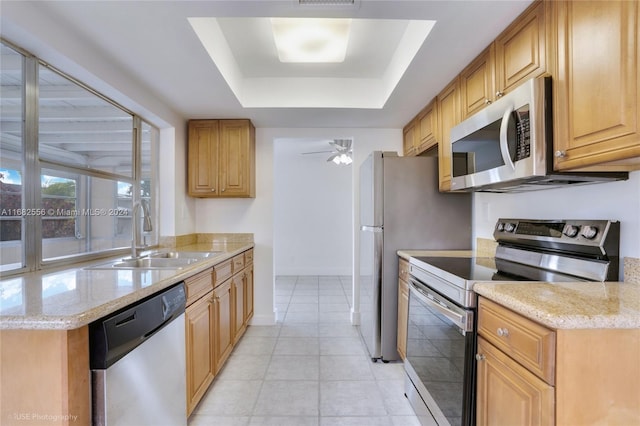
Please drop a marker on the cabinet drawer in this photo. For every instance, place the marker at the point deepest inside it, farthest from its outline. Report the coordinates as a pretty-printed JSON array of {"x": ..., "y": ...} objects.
[
  {"x": 223, "y": 272},
  {"x": 527, "y": 342},
  {"x": 248, "y": 257},
  {"x": 403, "y": 269},
  {"x": 198, "y": 285},
  {"x": 238, "y": 263}
]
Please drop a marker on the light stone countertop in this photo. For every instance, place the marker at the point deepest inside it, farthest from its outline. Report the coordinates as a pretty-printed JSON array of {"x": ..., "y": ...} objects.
[
  {"x": 72, "y": 297},
  {"x": 572, "y": 305}
]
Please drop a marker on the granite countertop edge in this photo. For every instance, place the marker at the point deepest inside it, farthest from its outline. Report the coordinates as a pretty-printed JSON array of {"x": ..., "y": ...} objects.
[{"x": 80, "y": 319}]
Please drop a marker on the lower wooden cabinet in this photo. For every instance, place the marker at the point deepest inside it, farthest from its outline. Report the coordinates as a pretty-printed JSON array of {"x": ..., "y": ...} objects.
[
  {"x": 216, "y": 321},
  {"x": 508, "y": 394},
  {"x": 223, "y": 323},
  {"x": 528, "y": 374},
  {"x": 238, "y": 289},
  {"x": 248, "y": 292},
  {"x": 403, "y": 307},
  {"x": 200, "y": 343}
]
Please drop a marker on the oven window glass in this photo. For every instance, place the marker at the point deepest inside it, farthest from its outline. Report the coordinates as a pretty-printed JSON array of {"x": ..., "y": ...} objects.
[{"x": 436, "y": 350}]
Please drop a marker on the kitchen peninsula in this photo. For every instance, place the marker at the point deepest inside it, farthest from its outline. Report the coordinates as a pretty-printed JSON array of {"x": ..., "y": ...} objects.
[{"x": 44, "y": 326}]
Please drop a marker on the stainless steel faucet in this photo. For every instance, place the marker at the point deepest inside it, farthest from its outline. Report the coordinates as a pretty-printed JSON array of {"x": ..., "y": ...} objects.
[{"x": 136, "y": 249}]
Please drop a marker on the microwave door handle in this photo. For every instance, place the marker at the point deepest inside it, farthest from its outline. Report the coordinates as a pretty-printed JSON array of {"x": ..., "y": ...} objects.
[{"x": 504, "y": 143}]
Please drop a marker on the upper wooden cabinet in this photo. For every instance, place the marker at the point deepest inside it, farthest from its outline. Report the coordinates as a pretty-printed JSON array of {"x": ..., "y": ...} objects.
[
  {"x": 477, "y": 82},
  {"x": 221, "y": 158},
  {"x": 449, "y": 114},
  {"x": 409, "y": 138},
  {"x": 596, "y": 89},
  {"x": 518, "y": 54},
  {"x": 520, "y": 50},
  {"x": 421, "y": 133}
]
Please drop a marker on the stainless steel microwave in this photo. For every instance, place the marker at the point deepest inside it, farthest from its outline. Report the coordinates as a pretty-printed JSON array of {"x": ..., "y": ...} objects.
[{"x": 508, "y": 146}]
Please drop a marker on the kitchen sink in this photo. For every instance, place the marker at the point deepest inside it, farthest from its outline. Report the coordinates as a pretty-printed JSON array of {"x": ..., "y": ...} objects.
[
  {"x": 157, "y": 260},
  {"x": 182, "y": 254}
]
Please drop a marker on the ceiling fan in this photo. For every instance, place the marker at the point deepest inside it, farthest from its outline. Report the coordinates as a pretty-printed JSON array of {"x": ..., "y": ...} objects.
[{"x": 341, "y": 152}]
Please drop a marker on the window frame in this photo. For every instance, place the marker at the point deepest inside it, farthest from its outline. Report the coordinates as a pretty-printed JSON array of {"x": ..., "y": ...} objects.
[{"x": 32, "y": 167}]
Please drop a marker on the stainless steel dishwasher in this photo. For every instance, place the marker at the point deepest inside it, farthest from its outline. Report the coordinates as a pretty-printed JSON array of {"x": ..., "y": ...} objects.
[{"x": 138, "y": 363}]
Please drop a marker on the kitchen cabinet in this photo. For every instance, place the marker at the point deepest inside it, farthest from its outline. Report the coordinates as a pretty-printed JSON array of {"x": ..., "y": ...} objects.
[
  {"x": 199, "y": 320},
  {"x": 238, "y": 288},
  {"x": 410, "y": 139},
  {"x": 528, "y": 374},
  {"x": 477, "y": 82},
  {"x": 517, "y": 54},
  {"x": 596, "y": 85},
  {"x": 219, "y": 305},
  {"x": 221, "y": 158},
  {"x": 223, "y": 323},
  {"x": 521, "y": 50},
  {"x": 508, "y": 394},
  {"x": 420, "y": 133},
  {"x": 248, "y": 282},
  {"x": 449, "y": 114},
  {"x": 403, "y": 306}
]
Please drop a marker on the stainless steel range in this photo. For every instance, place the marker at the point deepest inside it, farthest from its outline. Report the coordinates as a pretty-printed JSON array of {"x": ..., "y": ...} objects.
[{"x": 441, "y": 335}]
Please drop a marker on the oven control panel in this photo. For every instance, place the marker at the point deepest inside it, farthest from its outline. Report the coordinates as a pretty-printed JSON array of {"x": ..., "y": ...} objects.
[{"x": 574, "y": 232}]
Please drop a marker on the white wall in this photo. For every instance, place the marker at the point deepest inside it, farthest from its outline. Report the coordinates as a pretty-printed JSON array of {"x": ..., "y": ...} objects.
[
  {"x": 613, "y": 201},
  {"x": 312, "y": 211}
]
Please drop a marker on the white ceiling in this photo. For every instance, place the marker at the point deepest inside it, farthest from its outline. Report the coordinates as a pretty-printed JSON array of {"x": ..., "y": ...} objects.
[{"x": 154, "y": 42}]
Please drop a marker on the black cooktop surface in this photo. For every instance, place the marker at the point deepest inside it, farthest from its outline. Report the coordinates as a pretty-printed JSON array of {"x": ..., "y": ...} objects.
[{"x": 487, "y": 269}]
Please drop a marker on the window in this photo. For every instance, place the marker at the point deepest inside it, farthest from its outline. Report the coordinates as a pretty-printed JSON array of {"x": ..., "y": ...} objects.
[{"x": 72, "y": 166}]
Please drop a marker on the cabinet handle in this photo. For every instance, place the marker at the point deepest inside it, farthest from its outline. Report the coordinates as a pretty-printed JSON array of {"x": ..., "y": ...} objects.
[
  {"x": 213, "y": 190},
  {"x": 560, "y": 154},
  {"x": 499, "y": 94},
  {"x": 223, "y": 189},
  {"x": 480, "y": 357},
  {"x": 487, "y": 101},
  {"x": 503, "y": 332}
]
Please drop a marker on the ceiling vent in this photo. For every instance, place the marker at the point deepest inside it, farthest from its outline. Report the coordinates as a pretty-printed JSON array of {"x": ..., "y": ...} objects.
[{"x": 328, "y": 2}]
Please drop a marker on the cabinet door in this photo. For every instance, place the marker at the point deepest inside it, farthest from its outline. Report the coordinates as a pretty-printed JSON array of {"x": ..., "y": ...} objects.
[
  {"x": 203, "y": 158},
  {"x": 428, "y": 126},
  {"x": 223, "y": 309},
  {"x": 448, "y": 116},
  {"x": 237, "y": 158},
  {"x": 200, "y": 344},
  {"x": 248, "y": 293},
  {"x": 596, "y": 89},
  {"x": 238, "y": 288},
  {"x": 508, "y": 394},
  {"x": 521, "y": 50},
  {"x": 403, "y": 317},
  {"x": 409, "y": 133},
  {"x": 476, "y": 83}
]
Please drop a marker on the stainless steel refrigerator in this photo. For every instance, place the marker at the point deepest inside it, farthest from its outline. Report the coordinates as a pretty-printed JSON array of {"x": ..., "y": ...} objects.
[{"x": 400, "y": 209}]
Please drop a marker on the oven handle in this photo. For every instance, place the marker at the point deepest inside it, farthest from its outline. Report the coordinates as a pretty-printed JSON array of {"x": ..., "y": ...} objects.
[{"x": 463, "y": 320}]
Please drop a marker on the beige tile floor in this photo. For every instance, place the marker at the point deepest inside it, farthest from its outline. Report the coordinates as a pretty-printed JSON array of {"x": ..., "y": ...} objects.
[{"x": 311, "y": 368}]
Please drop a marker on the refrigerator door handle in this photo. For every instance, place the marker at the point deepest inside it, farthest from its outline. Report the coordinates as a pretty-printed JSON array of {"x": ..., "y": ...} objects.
[{"x": 371, "y": 228}]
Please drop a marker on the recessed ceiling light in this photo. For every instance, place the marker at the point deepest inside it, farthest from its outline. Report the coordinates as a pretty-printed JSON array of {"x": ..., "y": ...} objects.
[{"x": 311, "y": 39}]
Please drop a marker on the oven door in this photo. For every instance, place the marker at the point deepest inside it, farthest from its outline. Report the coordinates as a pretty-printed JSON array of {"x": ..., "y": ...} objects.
[{"x": 440, "y": 358}]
